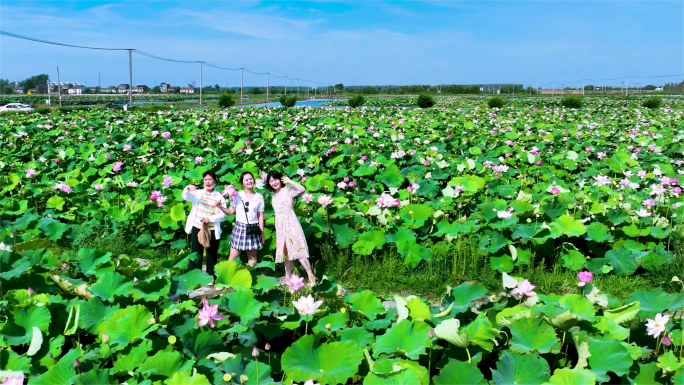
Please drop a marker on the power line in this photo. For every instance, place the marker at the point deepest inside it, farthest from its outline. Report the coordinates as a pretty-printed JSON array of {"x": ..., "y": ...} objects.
[{"x": 143, "y": 53}]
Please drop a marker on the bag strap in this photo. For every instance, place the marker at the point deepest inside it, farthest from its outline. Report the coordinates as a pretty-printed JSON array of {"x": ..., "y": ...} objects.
[{"x": 245, "y": 208}]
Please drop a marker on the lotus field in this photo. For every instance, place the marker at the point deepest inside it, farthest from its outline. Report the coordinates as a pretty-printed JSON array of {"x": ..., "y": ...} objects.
[{"x": 595, "y": 191}]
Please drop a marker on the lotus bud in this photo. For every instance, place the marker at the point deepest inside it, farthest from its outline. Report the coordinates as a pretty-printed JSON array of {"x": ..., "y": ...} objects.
[
  {"x": 30, "y": 291},
  {"x": 56, "y": 160},
  {"x": 411, "y": 212},
  {"x": 255, "y": 352},
  {"x": 667, "y": 341},
  {"x": 150, "y": 321},
  {"x": 431, "y": 333},
  {"x": 77, "y": 363},
  {"x": 105, "y": 337},
  {"x": 267, "y": 347}
]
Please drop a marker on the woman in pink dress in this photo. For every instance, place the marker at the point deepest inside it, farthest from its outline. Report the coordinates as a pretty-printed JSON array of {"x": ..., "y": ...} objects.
[{"x": 290, "y": 239}]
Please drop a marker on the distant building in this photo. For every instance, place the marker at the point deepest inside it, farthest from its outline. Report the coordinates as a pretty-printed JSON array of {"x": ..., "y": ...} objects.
[
  {"x": 18, "y": 89},
  {"x": 108, "y": 90},
  {"x": 172, "y": 89},
  {"x": 123, "y": 88},
  {"x": 187, "y": 90},
  {"x": 164, "y": 87},
  {"x": 658, "y": 89},
  {"x": 141, "y": 88},
  {"x": 75, "y": 90}
]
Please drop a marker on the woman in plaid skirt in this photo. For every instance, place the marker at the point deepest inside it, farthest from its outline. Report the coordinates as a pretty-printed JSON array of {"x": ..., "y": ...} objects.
[{"x": 249, "y": 209}]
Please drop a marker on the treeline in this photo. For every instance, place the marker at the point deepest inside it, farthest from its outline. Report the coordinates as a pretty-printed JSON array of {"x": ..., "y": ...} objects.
[
  {"x": 445, "y": 89},
  {"x": 38, "y": 82}
]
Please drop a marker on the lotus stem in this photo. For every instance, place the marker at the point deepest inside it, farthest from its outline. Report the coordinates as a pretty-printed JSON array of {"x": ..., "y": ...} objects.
[
  {"x": 563, "y": 342},
  {"x": 257, "y": 370},
  {"x": 660, "y": 339},
  {"x": 681, "y": 345},
  {"x": 430, "y": 359},
  {"x": 469, "y": 359}
]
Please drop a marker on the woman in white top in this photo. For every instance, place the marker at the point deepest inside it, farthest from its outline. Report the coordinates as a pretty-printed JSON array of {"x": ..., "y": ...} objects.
[
  {"x": 248, "y": 232},
  {"x": 205, "y": 204}
]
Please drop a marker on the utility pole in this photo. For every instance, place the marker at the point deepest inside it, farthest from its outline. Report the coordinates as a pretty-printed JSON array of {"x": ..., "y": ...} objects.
[
  {"x": 201, "y": 78},
  {"x": 59, "y": 87},
  {"x": 308, "y": 85},
  {"x": 48, "y": 86},
  {"x": 285, "y": 85},
  {"x": 298, "y": 88},
  {"x": 268, "y": 84},
  {"x": 627, "y": 89},
  {"x": 130, "y": 76},
  {"x": 98, "y": 80},
  {"x": 242, "y": 81},
  {"x": 582, "y": 87}
]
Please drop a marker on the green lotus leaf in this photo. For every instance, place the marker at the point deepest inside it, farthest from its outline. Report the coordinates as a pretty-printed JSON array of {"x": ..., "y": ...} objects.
[
  {"x": 514, "y": 368},
  {"x": 406, "y": 338},
  {"x": 479, "y": 332},
  {"x": 94, "y": 377},
  {"x": 151, "y": 289},
  {"x": 579, "y": 305},
  {"x": 127, "y": 325},
  {"x": 200, "y": 343},
  {"x": 573, "y": 260},
  {"x": 330, "y": 323},
  {"x": 532, "y": 334},
  {"x": 623, "y": 313},
  {"x": 566, "y": 376},
  {"x": 463, "y": 295},
  {"x": 415, "y": 215},
  {"x": 165, "y": 364},
  {"x": 622, "y": 260},
  {"x": 242, "y": 303},
  {"x": 413, "y": 253},
  {"x": 111, "y": 284},
  {"x": 187, "y": 379},
  {"x": 177, "y": 212},
  {"x": 369, "y": 241},
  {"x": 569, "y": 226},
  {"x": 62, "y": 373},
  {"x": 232, "y": 274},
  {"x": 650, "y": 302},
  {"x": 344, "y": 235},
  {"x": 669, "y": 363},
  {"x": 265, "y": 284},
  {"x": 239, "y": 365},
  {"x": 54, "y": 230},
  {"x": 648, "y": 374},
  {"x": 401, "y": 377},
  {"x": 188, "y": 282},
  {"x": 418, "y": 310},
  {"x": 392, "y": 177},
  {"x": 608, "y": 356},
  {"x": 366, "y": 304},
  {"x": 505, "y": 316},
  {"x": 634, "y": 231},
  {"x": 402, "y": 235},
  {"x": 9, "y": 360},
  {"x": 327, "y": 363},
  {"x": 93, "y": 312},
  {"x": 616, "y": 331},
  {"x": 502, "y": 264},
  {"x": 13, "y": 265},
  {"x": 459, "y": 373},
  {"x": 132, "y": 357},
  {"x": 19, "y": 328},
  {"x": 56, "y": 202},
  {"x": 359, "y": 335}
]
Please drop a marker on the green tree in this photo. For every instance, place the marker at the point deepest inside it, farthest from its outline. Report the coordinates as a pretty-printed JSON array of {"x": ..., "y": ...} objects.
[
  {"x": 39, "y": 82},
  {"x": 339, "y": 87},
  {"x": 156, "y": 89}
]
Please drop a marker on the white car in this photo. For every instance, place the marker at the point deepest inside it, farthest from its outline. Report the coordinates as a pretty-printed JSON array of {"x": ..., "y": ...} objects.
[{"x": 15, "y": 107}]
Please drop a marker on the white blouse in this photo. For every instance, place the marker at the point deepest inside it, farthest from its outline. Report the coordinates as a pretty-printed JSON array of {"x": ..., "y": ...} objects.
[{"x": 254, "y": 206}]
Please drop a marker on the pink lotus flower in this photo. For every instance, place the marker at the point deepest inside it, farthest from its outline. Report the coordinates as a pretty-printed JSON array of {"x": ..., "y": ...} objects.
[
  {"x": 155, "y": 195},
  {"x": 555, "y": 191},
  {"x": 168, "y": 181},
  {"x": 30, "y": 172},
  {"x": 230, "y": 191},
  {"x": 117, "y": 166},
  {"x": 56, "y": 160},
  {"x": 19, "y": 380},
  {"x": 107, "y": 156},
  {"x": 295, "y": 283},
  {"x": 198, "y": 159},
  {"x": 538, "y": 163},
  {"x": 504, "y": 214},
  {"x": 240, "y": 150},
  {"x": 524, "y": 289},
  {"x": 209, "y": 314},
  {"x": 324, "y": 200},
  {"x": 307, "y": 305},
  {"x": 584, "y": 277},
  {"x": 657, "y": 325},
  {"x": 98, "y": 186},
  {"x": 248, "y": 142},
  {"x": 127, "y": 147},
  {"x": 307, "y": 198}
]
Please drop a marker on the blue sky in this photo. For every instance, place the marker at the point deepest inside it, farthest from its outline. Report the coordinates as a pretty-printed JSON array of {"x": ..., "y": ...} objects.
[{"x": 353, "y": 42}]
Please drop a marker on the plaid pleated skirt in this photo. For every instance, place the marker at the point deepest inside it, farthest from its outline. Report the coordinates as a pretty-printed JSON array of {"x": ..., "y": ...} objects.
[{"x": 239, "y": 240}]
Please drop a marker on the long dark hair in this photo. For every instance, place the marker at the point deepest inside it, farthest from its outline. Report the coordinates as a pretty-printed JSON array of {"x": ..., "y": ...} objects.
[{"x": 275, "y": 175}]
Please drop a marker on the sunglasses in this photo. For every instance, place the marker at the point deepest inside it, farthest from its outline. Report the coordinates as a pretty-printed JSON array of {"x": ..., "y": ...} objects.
[{"x": 246, "y": 207}]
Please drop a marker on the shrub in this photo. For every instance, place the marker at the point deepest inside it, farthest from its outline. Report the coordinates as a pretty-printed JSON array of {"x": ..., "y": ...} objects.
[
  {"x": 356, "y": 101},
  {"x": 572, "y": 101},
  {"x": 42, "y": 110},
  {"x": 226, "y": 100},
  {"x": 425, "y": 101},
  {"x": 654, "y": 102},
  {"x": 287, "y": 102},
  {"x": 496, "y": 102}
]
